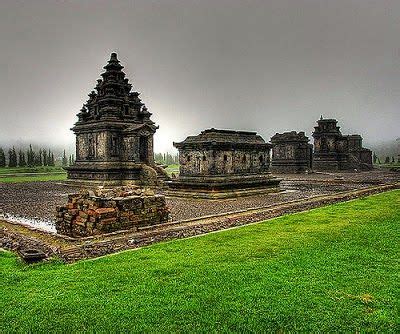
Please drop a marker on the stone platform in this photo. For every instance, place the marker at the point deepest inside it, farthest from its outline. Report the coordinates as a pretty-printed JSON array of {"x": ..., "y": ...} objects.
[{"x": 222, "y": 186}]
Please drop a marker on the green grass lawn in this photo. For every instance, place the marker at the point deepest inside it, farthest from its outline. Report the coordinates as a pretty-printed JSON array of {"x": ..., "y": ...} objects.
[
  {"x": 172, "y": 169},
  {"x": 39, "y": 169},
  {"x": 331, "y": 269},
  {"x": 28, "y": 174},
  {"x": 31, "y": 178}
]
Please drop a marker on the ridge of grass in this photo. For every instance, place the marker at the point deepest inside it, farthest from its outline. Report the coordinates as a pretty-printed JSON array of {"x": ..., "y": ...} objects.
[{"x": 330, "y": 269}]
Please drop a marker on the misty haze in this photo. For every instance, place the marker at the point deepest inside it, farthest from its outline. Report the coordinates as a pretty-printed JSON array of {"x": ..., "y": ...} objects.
[{"x": 267, "y": 66}]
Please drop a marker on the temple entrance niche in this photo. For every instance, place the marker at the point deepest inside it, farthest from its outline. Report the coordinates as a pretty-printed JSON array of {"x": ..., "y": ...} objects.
[{"x": 144, "y": 148}]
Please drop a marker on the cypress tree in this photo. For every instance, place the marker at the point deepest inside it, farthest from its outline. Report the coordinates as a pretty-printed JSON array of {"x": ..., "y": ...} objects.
[
  {"x": 49, "y": 158},
  {"x": 64, "y": 159},
  {"x": 2, "y": 158},
  {"x": 45, "y": 160},
  {"x": 37, "y": 158},
  {"x": 15, "y": 157},
  {"x": 30, "y": 157},
  {"x": 21, "y": 159},
  {"x": 12, "y": 158}
]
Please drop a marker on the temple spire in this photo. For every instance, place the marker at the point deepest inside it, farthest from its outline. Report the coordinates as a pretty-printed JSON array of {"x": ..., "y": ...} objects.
[
  {"x": 113, "y": 98},
  {"x": 114, "y": 57},
  {"x": 113, "y": 63}
]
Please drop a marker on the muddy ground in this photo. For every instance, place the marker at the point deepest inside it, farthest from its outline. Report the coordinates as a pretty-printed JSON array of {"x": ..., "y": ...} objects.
[{"x": 38, "y": 200}]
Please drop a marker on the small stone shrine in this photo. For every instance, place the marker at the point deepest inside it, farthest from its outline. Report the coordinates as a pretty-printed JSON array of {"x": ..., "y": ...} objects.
[
  {"x": 96, "y": 212},
  {"x": 114, "y": 134},
  {"x": 291, "y": 153},
  {"x": 223, "y": 163},
  {"x": 334, "y": 151}
]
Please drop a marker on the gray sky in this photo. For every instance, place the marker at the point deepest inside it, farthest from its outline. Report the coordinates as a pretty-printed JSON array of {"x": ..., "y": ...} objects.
[{"x": 269, "y": 66}]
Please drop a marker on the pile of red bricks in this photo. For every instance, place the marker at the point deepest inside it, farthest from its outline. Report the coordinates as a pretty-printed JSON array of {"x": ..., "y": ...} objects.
[{"x": 89, "y": 213}]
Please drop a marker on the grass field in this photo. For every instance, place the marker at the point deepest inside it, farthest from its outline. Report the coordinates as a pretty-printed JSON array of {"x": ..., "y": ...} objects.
[
  {"x": 28, "y": 174},
  {"x": 172, "y": 169},
  {"x": 42, "y": 169},
  {"x": 31, "y": 178},
  {"x": 330, "y": 269}
]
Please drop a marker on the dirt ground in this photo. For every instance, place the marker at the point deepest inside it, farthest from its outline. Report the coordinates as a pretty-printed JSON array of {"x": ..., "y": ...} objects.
[{"x": 38, "y": 200}]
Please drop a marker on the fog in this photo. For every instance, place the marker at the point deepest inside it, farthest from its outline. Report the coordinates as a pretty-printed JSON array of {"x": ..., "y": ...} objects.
[{"x": 267, "y": 65}]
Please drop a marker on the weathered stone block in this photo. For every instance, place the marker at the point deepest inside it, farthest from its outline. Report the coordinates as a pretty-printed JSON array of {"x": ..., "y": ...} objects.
[
  {"x": 94, "y": 215},
  {"x": 105, "y": 212}
]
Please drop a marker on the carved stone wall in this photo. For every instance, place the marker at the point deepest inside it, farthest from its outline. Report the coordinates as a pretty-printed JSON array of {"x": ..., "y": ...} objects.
[
  {"x": 291, "y": 153},
  {"x": 223, "y": 162},
  {"x": 223, "y": 159}
]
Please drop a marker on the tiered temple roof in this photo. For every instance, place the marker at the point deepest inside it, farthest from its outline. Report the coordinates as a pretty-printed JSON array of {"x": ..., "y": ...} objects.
[{"x": 113, "y": 98}]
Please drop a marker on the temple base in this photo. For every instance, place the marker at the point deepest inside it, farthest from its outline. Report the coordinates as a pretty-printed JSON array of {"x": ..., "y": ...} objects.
[
  {"x": 290, "y": 167},
  {"x": 111, "y": 174},
  {"x": 216, "y": 187}
]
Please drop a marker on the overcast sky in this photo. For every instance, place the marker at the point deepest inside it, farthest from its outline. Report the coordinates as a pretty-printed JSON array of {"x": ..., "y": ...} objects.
[{"x": 268, "y": 65}]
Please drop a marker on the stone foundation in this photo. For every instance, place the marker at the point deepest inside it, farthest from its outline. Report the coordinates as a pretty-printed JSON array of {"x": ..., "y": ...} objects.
[
  {"x": 91, "y": 213},
  {"x": 112, "y": 174}
]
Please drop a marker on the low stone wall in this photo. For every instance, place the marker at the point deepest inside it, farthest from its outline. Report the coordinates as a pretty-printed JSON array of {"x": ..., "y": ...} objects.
[{"x": 92, "y": 213}]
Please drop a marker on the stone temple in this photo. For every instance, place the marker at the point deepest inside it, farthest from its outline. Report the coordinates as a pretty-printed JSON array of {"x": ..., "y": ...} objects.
[
  {"x": 223, "y": 163},
  {"x": 334, "y": 151},
  {"x": 291, "y": 153},
  {"x": 114, "y": 134}
]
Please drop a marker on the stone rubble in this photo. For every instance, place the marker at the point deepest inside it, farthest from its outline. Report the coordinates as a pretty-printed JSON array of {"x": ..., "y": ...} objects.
[{"x": 93, "y": 212}]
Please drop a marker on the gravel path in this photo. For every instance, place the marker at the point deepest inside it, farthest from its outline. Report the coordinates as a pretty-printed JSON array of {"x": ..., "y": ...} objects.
[{"x": 38, "y": 200}]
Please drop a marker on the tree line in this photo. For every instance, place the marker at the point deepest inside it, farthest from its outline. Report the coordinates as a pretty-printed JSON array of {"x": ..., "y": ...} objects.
[
  {"x": 166, "y": 158},
  {"x": 31, "y": 158},
  {"x": 388, "y": 160}
]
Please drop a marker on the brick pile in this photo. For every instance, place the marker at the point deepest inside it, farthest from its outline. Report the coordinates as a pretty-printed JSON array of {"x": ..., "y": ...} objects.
[{"x": 96, "y": 212}]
